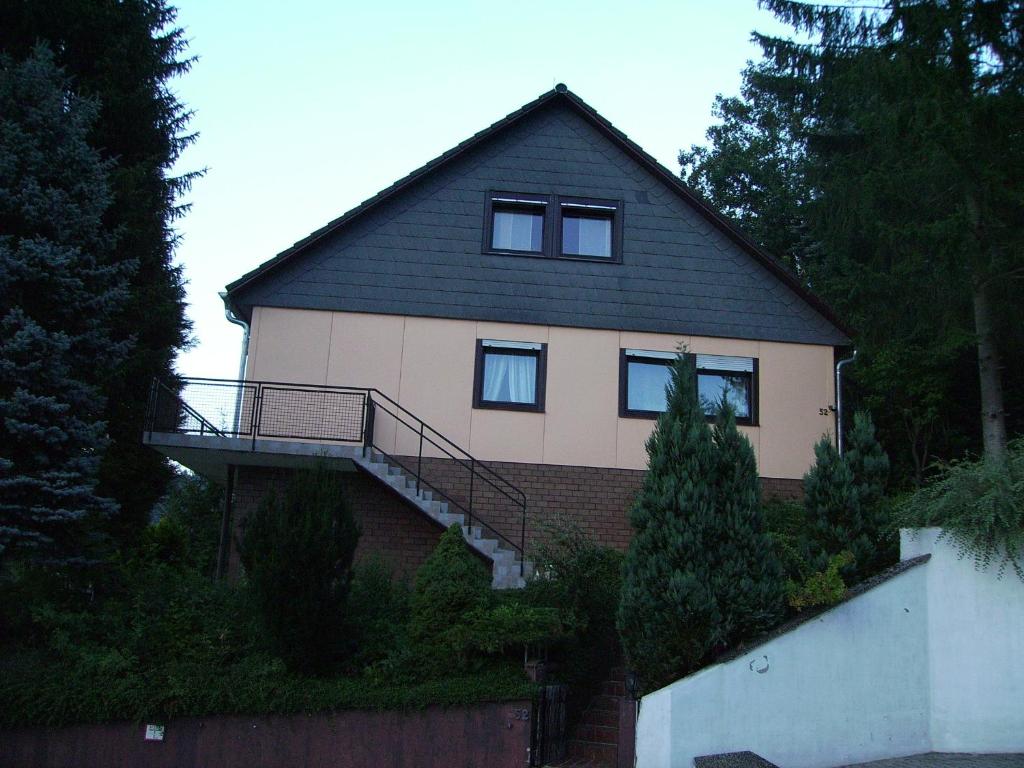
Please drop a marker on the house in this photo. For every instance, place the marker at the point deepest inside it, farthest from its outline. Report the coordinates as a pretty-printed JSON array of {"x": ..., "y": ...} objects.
[{"x": 486, "y": 342}]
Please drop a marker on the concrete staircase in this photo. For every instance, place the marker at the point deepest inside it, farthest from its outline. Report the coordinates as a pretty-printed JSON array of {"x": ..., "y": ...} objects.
[{"x": 505, "y": 561}]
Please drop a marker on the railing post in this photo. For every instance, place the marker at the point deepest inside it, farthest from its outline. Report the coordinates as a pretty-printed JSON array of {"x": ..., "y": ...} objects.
[
  {"x": 257, "y": 408},
  {"x": 151, "y": 410},
  {"x": 522, "y": 544},
  {"x": 368, "y": 422},
  {"x": 472, "y": 474},
  {"x": 419, "y": 461}
]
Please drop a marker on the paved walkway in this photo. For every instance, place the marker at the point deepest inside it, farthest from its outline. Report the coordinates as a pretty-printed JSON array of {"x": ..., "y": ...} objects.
[{"x": 947, "y": 760}]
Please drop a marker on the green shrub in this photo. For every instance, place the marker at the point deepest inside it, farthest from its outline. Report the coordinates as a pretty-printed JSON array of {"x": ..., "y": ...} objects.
[
  {"x": 297, "y": 553},
  {"x": 193, "y": 507},
  {"x": 378, "y": 609},
  {"x": 450, "y": 585},
  {"x": 821, "y": 588},
  {"x": 581, "y": 581},
  {"x": 980, "y": 507}
]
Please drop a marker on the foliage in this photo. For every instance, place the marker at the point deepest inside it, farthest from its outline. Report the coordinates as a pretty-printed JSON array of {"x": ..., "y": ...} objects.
[
  {"x": 754, "y": 170},
  {"x": 580, "y": 581},
  {"x": 980, "y": 507},
  {"x": 177, "y": 644},
  {"x": 193, "y": 506},
  {"x": 297, "y": 553},
  {"x": 121, "y": 57},
  {"x": 896, "y": 131},
  {"x": 58, "y": 293},
  {"x": 378, "y": 609},
  {"x": 696, "y": 516},
  {"x": 843, "y": 498},
  {"x": 747, "y": 578},
  {"x": 822, "y": 588}
]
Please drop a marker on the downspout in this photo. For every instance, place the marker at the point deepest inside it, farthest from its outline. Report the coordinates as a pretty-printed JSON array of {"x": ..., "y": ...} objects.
[
  {"x": 839, "y": 399},
  {"x": 233, "y": 318},
  {"x": 224, "y": 550}
]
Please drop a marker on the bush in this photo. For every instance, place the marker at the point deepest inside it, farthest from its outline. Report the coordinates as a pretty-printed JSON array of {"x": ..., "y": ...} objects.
[
  {"x": 457, "y": 620},
  {"x": 980, "y": 507},
  {"x": 297, "y": 554},
  {"x": 378, "y": 609},
  {"x": 822, "y": 588},
  {"x": 581, "y": 582},
  {"x": 194, "y": 508}
]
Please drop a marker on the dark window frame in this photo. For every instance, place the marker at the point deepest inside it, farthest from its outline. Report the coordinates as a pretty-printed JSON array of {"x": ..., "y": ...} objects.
[
  {"x": 626, "y": 412},
  {"x": 576, "y": 205},
  {"x": 551, "y": 234},
  {"x": 532, "y": 203},
  {"x": 478, "y": 377}
]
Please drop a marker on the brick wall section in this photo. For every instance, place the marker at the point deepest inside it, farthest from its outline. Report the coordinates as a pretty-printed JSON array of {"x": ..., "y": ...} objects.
[
  {"x": 402, "y": 536},
  {"x": 597, "y": 499}
]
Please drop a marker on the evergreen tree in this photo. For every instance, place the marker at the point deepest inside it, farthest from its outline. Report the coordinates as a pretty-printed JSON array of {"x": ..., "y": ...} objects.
[
  {"x": 700, "y": 572},
  {"x": 830, "y": 501},
  {"x": 122, "y": 54},
  {"x": 897, "y": 126},
  {"x": 297, "y": 552},
  {"x": 844, "y": 498},
  {"x": 58, "y": 292},
  {"x": 748, "y": 581}
]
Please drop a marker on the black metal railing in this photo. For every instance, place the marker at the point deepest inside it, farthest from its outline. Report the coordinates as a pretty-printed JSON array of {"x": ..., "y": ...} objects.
[{"x": 251, "y": 410}]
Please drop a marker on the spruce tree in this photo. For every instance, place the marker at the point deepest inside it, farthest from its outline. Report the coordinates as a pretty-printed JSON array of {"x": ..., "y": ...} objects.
[
  {"x": 748, "y": 580},
  {"x": 700, "y": 573},
  {"x": 667, "y": 607},
  {"x": 58, "y": 293},
  {"x": 122, "y": 55},
  {"x": 844, "y": 498}
]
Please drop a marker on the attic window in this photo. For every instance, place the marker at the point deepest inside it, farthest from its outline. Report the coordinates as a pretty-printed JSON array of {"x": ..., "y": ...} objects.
[
  {"x": 553, "y": 226},
  {"x": 587, "y": 229},
  {"x": 516, "y": 223}
]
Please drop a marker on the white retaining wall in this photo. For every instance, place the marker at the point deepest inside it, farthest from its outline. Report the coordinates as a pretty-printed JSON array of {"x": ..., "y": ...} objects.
[{"x": 929, "y": 660}]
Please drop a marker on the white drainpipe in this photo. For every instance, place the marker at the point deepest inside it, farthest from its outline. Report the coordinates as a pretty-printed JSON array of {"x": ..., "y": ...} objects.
[
  {"x": 244, "y": 357},
  {"x": 839, "y": 399}
]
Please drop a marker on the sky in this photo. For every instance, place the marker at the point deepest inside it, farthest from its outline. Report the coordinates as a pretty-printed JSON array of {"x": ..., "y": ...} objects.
[{"x": 305, "y": 109}]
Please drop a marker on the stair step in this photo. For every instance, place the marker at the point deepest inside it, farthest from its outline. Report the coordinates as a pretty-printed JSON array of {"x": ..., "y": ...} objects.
[
  {"x": 601, "y": 717},
  {"x": 614, "y": 687},
  {"x": 598, "y": 734},
  {"x": 604, "y": 702},
  {"x": 601, "y": 754}
]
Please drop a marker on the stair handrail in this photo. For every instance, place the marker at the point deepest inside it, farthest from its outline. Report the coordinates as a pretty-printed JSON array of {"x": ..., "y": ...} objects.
[{"x": 374, "y": 399}]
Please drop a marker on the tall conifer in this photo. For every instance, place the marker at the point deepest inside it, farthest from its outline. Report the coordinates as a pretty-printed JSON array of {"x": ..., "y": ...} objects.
[
  {"x": 57, "y": 295},
  {"x": 700, "y": 573}
]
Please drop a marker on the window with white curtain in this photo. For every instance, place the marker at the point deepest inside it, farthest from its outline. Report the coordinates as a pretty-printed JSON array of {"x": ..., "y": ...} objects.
[
  {"x": 553, "y": 226},
  {"x": 645, "y": 374},
  {"x": 510, "y": 375}
]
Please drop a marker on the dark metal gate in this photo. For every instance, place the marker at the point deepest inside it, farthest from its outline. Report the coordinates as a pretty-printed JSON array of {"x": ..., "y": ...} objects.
[{"x": 547, "y": 736}]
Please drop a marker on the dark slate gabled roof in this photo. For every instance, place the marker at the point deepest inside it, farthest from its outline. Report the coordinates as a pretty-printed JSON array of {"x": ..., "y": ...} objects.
[{"x": 415, "y": 248}]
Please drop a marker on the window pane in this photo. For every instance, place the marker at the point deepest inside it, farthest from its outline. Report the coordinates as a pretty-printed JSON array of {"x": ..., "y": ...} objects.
[
  {"x": 517, "y": 231},
  {"x": 712, "y": 386},
  {"x": 510, "y": 378},
  {"x": 585, "y": 236},
  {"x": 645, "y": 387}
]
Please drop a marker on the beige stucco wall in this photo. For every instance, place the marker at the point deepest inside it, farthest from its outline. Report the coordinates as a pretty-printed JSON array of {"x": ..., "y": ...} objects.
[{"x": 427, "y": 364}]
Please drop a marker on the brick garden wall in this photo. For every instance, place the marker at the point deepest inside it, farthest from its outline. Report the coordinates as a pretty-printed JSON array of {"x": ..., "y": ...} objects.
[{"x": 485, "y": 736}]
